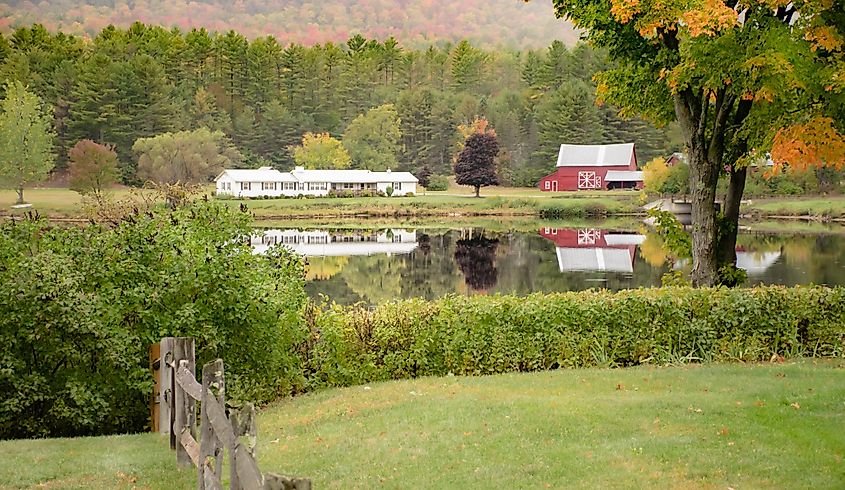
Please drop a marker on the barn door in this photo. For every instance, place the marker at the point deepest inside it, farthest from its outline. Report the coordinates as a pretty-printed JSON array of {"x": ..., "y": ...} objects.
[
  {"x": 589, "y": 180},
  {"x": 554, "y": 186}
]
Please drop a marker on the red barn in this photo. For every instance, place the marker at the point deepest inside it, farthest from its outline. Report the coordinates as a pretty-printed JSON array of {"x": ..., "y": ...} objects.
[{"x": 582, "y": 167}]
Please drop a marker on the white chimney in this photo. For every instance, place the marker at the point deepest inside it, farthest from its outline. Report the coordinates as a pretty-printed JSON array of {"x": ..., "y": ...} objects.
[{"x": 388, "y": 170}]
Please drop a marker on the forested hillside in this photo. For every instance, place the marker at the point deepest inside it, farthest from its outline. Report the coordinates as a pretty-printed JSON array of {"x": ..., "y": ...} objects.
[
  {"x": 511, "y": 23},
  {"x": 143, "y": 81}
]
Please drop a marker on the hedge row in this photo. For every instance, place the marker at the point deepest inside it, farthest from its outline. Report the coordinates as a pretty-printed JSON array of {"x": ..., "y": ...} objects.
[{"x": 485, "y": 335}]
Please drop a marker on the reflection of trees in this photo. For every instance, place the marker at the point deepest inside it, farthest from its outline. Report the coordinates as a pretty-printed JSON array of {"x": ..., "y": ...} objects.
[
  {"x": 377, "y": 278},
  {"x": 430, "y": 271},
  {"x": 322, "y": 268},
  {"x": 475, "y": 257}
]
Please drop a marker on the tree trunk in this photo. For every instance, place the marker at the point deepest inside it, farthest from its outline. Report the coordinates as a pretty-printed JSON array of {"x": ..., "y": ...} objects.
[
  {"x": 727, "y": 239},
  {"x": 703, "y": 177},
  {"x": 20, "y": 195},
  {"x": 477, "y": 191}
]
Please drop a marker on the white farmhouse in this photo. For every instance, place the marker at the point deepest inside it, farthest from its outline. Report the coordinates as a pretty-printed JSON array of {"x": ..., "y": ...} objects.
[{"x": 267, "y": 181}]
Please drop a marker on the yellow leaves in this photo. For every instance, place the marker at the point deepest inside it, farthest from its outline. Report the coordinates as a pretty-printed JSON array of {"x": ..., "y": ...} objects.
[
  {"x": 624, "y": 10},
  {"x": 816, "y": 143},
  {"x": 478, "y": 125},
  {"x": 710, "y": 18},
  {"x": 764, "y": 94},
  {"x": 824, "y": 37}
]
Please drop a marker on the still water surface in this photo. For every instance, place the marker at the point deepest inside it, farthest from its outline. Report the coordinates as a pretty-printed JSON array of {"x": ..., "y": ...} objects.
[{"x": 375, "y": 266}]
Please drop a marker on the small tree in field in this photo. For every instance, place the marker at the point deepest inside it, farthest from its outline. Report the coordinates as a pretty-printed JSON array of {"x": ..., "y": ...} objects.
[
  {"x": 93, "y": 168},
  {"x": 26, "y": 139},
  {"x": 475, "y": 165}
]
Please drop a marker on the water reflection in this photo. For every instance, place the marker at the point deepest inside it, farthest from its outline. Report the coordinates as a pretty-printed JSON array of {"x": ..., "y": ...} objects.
[
  {"x": 591, "y": 249},
  {"x": 476, "y": 257},
  {"x": 324, "y": 243},
  {"x": 374, "y": 266}
]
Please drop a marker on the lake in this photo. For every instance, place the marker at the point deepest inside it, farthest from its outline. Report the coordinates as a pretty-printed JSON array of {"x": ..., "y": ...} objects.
[{"x": 377, "y": 265}]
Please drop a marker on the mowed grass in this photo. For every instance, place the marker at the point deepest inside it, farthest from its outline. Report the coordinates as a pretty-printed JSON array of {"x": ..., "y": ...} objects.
[
  {"x": 828, "y": 206},
  {"x": 64, "y": 203},
  {"x": 120, "y": 462},
  {"x": 716, "y": 426},
  {"x": 710, "y": 426}
]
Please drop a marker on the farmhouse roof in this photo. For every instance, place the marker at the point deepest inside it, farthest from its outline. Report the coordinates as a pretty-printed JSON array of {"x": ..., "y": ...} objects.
[
  {"x": 623, "y": 176},
  {"x": 619, "y": 154},
  {"x": 351, "y": 176},
  {"x": 263, "y": 174}
]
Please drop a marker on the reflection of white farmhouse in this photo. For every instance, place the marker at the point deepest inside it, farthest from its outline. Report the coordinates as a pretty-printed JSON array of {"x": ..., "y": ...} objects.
[
  {"x": 756, "y": 263},
  {"x": 323, "y": 243},
  {"x": 267, "y": 181}
]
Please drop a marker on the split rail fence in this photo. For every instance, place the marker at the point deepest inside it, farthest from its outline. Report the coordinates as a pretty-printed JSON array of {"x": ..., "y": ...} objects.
[{"x": 174, "y": 410}]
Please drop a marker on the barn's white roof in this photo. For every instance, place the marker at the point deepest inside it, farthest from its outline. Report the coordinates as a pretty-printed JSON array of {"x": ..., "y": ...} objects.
[
  {"x": 269, "y": 174},
  {"x": 594, "y": 259},
  {"x": 623, "y": 176},
  {"x": 619, "y": 154}
]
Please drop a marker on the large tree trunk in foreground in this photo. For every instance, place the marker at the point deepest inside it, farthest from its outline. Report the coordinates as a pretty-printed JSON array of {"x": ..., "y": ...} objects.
[
  {"x": 703, "y": 177},
  {"x": 727, "y": 239}
]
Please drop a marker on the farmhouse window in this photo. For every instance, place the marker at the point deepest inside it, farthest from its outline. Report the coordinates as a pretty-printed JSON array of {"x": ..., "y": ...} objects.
[
  {"x": 246, "y": 186},
  {"x": 268, "y": 186},
  {"x": 397, "y": 186},
  {"x": 348, "y": 185},
  {"x": 588, "y": 180},
  {"x": 548, "y": 184},
  {"x": 289, "y": 186}
]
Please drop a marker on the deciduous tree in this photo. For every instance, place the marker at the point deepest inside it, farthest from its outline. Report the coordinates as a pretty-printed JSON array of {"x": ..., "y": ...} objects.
[
  {"x": 93, "y": 168},
  {"x": 475, "y": 165},
  {"x": 320, "y": 151},
  {"x": 26, "y": 139},
  {"x": 738, "y": 77},
  {"x": 190, "y": 157},
  {"x": 372, "y": 139}
]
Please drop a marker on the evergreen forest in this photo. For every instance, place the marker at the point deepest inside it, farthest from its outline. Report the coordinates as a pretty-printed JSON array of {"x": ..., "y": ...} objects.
[{"x": 126, "y": 84}]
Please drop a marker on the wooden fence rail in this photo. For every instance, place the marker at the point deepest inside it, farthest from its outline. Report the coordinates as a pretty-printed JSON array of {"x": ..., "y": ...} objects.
[{"x": 178, "y": 393}]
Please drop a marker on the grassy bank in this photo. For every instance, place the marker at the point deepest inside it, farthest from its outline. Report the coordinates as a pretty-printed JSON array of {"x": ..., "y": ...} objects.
[
  {"x": 63, "y": 203},
  {"x": 711, "y": 426},
  {"x": 456, "y": 202},
  {"x": 818, "y": 208}
]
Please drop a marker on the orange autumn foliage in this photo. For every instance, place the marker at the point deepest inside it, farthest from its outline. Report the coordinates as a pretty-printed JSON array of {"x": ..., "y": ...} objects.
[
  {"x": 824, "y": 37},
  {"x": 712, "y": 17},
  {"x": 816, "y": 143}
]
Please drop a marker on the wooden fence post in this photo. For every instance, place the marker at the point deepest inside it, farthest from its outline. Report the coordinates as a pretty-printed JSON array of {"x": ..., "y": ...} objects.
[
  {"x": 184, "y": 406},
  {"x": 156, "y": 398},
  {"x": 210, "y": 446},
  {"x": 165, "y": 381}
]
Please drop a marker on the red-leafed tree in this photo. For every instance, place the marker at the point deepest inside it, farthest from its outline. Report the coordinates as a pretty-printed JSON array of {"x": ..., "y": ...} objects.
[
  {"x": 475, "y": 165},
  {"x": 93, "y": 168}
]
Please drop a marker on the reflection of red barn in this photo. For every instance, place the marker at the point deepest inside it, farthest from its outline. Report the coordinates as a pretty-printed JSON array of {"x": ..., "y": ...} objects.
[
  {"x": 589, "y": 249},
  {"x": 594, "y": 167}
]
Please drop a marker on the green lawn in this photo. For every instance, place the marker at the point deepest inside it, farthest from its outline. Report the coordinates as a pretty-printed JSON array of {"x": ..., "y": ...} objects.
[
  {"x": 136, "y": 461},
  {"x": 457, "y": 201},
  {"x": 714, "y": 426},
  {"x": 830, "y": 207}
]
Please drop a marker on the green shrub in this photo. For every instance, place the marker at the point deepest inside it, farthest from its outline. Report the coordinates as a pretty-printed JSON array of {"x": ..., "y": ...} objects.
[
  {"x": 437, "y": 183},
  {"x": 82, "y": 304},
  {"x": 495, "y": 334}
]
